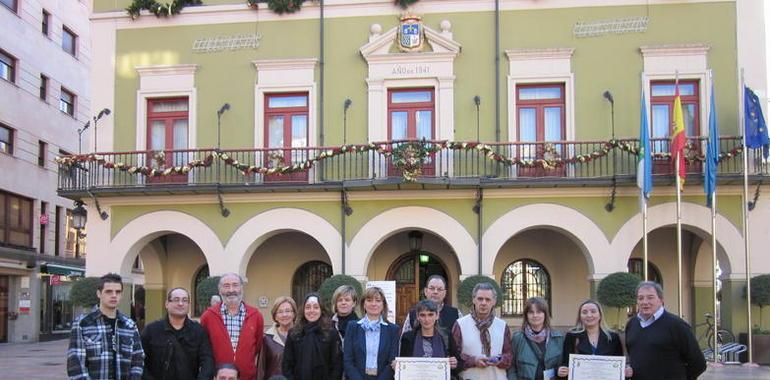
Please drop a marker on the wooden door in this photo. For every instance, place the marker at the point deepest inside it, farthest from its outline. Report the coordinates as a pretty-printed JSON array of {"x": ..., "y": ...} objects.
[{"x": 167, "y": 132}]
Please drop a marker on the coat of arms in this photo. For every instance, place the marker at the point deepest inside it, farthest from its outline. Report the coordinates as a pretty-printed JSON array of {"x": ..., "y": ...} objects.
[{"x": 410, "y": 33}]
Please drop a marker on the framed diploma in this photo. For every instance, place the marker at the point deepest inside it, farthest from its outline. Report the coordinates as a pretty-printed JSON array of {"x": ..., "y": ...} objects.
[
  {"x": 422, "y": 369},
  {"x": 596, "y": 367}
]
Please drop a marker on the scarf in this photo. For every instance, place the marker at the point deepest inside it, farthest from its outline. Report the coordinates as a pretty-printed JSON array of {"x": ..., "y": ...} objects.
[
  {"x": 483, "y": 326},
  {"x": 373, "y": 326},
  {"x": 342, "y": 322},
  {"x": 536, "y": 337}
]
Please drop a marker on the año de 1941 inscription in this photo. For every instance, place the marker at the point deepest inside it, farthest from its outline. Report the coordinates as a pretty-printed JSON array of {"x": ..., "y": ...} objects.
[{"x": 410, "y": 70}]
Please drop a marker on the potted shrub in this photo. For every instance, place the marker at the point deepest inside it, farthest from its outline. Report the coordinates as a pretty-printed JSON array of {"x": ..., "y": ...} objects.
[
  {"x": 618, "y": 290},
  {"x": 284, "y": 6},
  {"x": 206, "y": 288},
  {"x": 83, "y": 292},
  {"x": 332, "y": 283},
  {"x": 760, "y": 296},
  {"x": 465, "y": 291}
]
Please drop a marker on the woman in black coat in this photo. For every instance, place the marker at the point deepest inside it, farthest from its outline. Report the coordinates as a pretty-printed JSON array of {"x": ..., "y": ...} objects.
[
  {"x": 590, "y": 337},
  {"x": 312, "y": 350}
]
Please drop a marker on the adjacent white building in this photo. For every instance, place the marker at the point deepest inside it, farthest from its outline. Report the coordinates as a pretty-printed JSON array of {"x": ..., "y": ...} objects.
[{"x": 45, "y": 58}]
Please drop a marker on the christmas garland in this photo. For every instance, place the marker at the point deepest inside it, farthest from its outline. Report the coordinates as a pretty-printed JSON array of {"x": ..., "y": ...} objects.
[
  {"x": 166, "y": 9},
  {"x": 284, "y": 6},
  {"x": 405, "y": 3},
  {"x": 407, "y": 157}
]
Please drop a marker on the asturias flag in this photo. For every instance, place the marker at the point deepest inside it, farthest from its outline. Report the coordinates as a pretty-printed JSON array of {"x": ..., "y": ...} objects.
[
  {"x": 712, "y": 153},
  {"x": 644, "y": 160},
  {"x": 678, "y": 140},
  {"x": 756, "y": 129}
]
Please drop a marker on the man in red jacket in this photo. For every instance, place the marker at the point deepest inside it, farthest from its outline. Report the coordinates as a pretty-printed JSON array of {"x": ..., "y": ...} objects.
[{"x": 235, "y": 329}]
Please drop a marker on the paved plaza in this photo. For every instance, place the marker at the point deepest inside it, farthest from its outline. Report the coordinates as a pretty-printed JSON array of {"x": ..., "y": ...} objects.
[{"x": 47, "y": 360}]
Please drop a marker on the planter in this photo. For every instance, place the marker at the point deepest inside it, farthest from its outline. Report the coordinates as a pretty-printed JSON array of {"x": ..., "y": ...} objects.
[{"x": 760, "y": 347}]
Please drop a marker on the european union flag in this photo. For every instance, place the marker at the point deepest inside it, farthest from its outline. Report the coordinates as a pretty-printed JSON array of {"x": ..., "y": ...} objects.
[{"x": 756, "y": 128}]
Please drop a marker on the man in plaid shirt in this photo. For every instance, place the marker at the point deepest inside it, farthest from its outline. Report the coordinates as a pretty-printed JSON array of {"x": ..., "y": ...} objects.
[{"x": 105, "y": 344}]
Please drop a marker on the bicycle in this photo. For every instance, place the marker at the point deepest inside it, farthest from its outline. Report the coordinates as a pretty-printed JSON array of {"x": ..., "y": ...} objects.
[{"x": 724, "y": 336}]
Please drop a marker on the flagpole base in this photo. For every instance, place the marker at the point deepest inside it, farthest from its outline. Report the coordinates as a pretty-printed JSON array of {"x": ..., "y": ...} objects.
[{"x": 750, "y": 365}]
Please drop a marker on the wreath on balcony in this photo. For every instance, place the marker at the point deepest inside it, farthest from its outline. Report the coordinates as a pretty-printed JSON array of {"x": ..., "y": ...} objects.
[
  {"x": 283, "y": 6},
  {"x": 166, "y": 9},
  {"x": 405, "y": 3},
  {"x": 409, "y": 158}
]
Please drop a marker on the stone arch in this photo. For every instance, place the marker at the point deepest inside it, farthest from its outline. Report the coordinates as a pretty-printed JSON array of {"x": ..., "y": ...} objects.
[
  {"x": 255, "y": 231},
  {"x": 579, "y": 228},
  {"x": 695, "y": 218},
  {"x": 399, "y": 219},
  {"x": 144, "y": 229}
]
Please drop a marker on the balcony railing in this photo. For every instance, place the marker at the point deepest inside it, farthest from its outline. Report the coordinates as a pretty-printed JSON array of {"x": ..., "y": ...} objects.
[{"x": 570, "y": 163}]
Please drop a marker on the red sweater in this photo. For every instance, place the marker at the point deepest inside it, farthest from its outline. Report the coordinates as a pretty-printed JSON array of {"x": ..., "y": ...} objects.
[{"x": 249, "y": 342}]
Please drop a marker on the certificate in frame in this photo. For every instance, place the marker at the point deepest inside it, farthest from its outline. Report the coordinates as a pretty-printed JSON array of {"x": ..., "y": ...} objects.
[
  {"x": 596, "y": 367},
  {"x": 422, "y": 369}
]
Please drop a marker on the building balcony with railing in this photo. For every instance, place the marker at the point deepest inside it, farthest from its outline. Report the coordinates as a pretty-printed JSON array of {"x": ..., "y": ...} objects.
[{"x": 394, "y": 163}]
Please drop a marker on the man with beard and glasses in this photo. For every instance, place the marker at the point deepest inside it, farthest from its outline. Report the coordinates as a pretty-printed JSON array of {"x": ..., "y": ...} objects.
[
  {"x": 235, "y": 329},
  {"x": 484, "y": 340},
  {"x": 176, "y": 347}
]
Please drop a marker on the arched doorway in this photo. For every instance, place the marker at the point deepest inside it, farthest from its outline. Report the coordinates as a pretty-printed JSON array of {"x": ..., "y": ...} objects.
[{"x": 410, "y": 272}]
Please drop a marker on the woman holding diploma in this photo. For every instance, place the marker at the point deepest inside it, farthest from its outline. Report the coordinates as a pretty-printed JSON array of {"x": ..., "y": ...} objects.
[
  {"x": 536, "y": 347},
  {"x": 590, "y": 337},
  {"x": 371, "y": 343},
  {"x": 313, "y": 349},
  {"x": 427, "y": 340}
]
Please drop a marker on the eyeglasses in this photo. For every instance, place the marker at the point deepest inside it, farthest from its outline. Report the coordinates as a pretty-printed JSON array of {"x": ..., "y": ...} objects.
[
  {"x": 432, "y": 289},
  {"x": 179, "y": 300}
]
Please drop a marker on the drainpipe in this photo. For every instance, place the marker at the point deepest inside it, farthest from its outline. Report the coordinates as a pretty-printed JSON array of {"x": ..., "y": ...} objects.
[
  {"x": 321, "y": 80},
  {"x": 497, "y": 70},
  {"x": 479, "y": 210},
  {"x": 345, "y": 210}
]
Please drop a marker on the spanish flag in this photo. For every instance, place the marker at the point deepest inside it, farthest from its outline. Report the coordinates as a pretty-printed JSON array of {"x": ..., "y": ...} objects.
[{"x": 678, "y": 140}]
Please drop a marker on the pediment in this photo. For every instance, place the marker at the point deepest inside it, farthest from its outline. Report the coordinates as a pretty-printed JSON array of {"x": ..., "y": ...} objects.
[{"x": 437, "y": 43}]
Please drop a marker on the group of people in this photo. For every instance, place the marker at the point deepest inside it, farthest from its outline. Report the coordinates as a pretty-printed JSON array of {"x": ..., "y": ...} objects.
[{"x": 308, "y": 342}]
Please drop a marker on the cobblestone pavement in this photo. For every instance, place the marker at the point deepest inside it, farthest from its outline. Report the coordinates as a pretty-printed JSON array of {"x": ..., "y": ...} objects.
[{"x": 47, "y": 360}]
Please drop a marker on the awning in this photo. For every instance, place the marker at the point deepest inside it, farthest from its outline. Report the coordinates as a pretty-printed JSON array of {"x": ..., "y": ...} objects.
[{"x": 64, "y": 270}]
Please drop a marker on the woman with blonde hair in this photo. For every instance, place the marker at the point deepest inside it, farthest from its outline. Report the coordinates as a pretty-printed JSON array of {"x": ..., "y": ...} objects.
[
  {"x": 284, "y": 311},
  {"x": 536, "y": 347},
  {"x": 371, "y": 343},
  {"x": 343, "y": 306},
  {"x": 590, "y": 337}
]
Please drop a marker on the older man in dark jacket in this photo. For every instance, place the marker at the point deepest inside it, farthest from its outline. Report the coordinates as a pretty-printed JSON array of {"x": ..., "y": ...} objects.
[{"x": 177, "y": 347}]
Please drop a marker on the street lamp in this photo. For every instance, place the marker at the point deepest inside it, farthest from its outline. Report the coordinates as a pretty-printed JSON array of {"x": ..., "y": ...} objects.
[
  {"x": 104, "y": 112},
  {"x": 79, "y": 216},
  {"x": 79, "y": 219},
  {"x": 415, "y": 241}
]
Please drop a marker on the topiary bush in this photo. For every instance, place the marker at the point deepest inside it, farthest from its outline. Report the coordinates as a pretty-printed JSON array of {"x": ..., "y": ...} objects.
[
  {"x": 465, "y": 290},
  {"x": 618, "y": 290},
  {"x": 83, "y": 292},
  {"x": 760, "y": 293},
  {"x": 206, "y": 288},
  {"x": 332, "y": 283}
]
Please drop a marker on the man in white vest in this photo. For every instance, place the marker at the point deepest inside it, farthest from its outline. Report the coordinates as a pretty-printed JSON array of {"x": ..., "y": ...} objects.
[{"x": 484, "y": 340}]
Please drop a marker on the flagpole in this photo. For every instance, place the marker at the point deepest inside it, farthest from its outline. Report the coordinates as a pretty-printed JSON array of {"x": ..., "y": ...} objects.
[
  {"x": 644, "y": 197},
  {"x": 678, "y": 237},
  {"x": 678, "y": 217},
  {"x": 644, "y": 239},
  {"x": 745, "y": 213},
  {"x": 713, "y": 195}
]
